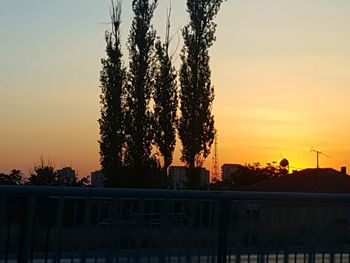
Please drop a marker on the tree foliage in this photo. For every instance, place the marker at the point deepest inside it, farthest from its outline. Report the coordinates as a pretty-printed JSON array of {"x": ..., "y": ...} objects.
[
  {"x": 112, "y": 79},
  {"x": 44, "y": 175},
  {"x": 13, "y": 178},
  {"x": 196, "y": 125},
  {"x": 251, "y": 174},
  {"x": 84, "y": 181},
  {"x": 47, "y": 175},
  {"x": 138, "y": 123},
  {"x": 165, "y": 100}
]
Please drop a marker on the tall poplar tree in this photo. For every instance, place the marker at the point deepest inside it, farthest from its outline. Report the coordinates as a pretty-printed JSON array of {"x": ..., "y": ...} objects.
[
  {"x": 166, "y": 100},
  {"x": 196, "y": 125},
  {"x": 140, "y": 84},
  {"x": 112, "y": 80}
]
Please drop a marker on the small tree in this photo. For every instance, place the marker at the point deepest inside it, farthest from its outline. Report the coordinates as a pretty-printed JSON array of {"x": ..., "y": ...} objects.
[
  {"x": 14, "y": 178},
  {"x": 196, "y": 125},
  {"x": 166, "y": 100},
  {"x": 84, "y": 181},
  {"x": 112, "y": 79},
  {"x": 44, "y": 175}
]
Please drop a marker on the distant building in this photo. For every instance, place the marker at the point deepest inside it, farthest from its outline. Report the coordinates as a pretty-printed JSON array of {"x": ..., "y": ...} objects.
[
  {"x": 228, "y": 170},
  {"x": 67, "y": 176},
  {"x": 318, "y": 180},
  {"x": 178, "y": 178},
  {"x": 177, "y": 175},
  {"x": 97, "y": 179},
  {"x": 205, "y": 177},
  {"x": 343, "y": 170}
]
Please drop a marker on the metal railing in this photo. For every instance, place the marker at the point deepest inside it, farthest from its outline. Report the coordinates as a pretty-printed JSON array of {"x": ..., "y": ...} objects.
[{"x": 43, "y": 224}]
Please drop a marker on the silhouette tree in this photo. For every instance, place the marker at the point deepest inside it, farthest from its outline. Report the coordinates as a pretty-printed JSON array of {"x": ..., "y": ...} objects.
[
  {"x": 196, "y": 125},
  {"x": 139, "y": 89},
  {"x": 44, "y": 175},
  {"x": 14, "y": 178},
  {"x": 4, "y": 180},
  {"x": 166, "y": 100},
  {"x": 112, "y": 79},
  {"x": 249, "y": 175},
  {"x": 84, "y": 181}
]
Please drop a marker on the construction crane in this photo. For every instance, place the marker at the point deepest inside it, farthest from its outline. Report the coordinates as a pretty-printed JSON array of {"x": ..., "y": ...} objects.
[
  {"x": 318, "y": 153},
  {"x": 215, "y": 160}
]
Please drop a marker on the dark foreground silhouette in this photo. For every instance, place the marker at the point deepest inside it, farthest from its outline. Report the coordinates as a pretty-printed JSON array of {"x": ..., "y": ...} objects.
[{"x": 325, "y": 180}]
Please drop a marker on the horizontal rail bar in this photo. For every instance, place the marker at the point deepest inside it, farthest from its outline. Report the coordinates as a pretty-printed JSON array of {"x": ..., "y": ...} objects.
[{"x": 171, "y": 194}]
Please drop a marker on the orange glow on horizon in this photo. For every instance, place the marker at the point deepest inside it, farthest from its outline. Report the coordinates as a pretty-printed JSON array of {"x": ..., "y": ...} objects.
[{"x": 280, "y": 71}]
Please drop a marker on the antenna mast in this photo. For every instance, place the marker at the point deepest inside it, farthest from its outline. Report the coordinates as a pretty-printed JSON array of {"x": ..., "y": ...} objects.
[
  {"x": 215, "y": 169},
  {"x": 318, "y": 153}
]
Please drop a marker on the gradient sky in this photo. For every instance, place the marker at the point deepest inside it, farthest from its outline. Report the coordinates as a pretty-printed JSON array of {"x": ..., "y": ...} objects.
[{"x": 281, "y": 69}]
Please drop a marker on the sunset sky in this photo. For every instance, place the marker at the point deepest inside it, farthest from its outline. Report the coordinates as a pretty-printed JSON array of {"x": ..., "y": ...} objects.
[{"x": 281, "y": 70}]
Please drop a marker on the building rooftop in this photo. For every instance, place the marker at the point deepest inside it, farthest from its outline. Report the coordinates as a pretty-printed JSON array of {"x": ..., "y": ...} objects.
[{"x": 309, "y": 180}]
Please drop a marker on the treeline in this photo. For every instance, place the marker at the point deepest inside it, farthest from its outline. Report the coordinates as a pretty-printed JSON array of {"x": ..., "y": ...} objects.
[
  {"x": 250, "y": 174},
  {"x": 47, "y": 175},
  {"x": 42, "y": 175},
  {"x": 146, "y": 102}
]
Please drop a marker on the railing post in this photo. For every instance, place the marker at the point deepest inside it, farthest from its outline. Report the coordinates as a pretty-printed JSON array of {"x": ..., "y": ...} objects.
[
  {"x": 86, "y": 227},
  {"x": 223, "y": 220},
  {"x": 112, "y": 219},
  {"x": 3, "y": 215},
  {"x": 311, "y": 257},
  {"x": 27, "y": 231},
  {"x": 58, "y": 229},
  {"x": 164, "y": 228}
]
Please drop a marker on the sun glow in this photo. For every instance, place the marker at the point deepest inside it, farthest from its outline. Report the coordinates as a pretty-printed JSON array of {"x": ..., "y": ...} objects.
[{"x": 281, "y": 77}]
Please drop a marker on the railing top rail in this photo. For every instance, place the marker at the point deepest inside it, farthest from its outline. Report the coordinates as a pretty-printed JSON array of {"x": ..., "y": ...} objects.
[{"x": 42, "y": 191}]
